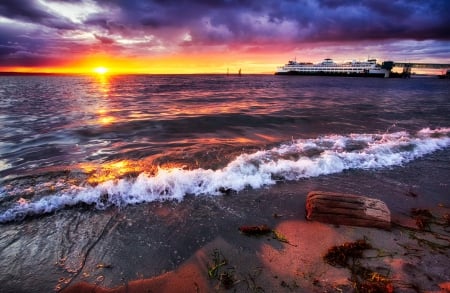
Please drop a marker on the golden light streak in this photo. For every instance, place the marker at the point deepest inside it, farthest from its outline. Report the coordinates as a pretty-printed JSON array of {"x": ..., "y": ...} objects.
[
  {"x": 182, "y": 63},
  {"x": 110, "y": 171},
  {"x": 251, "y": 61},
  {"x": 106, "y": 120}
]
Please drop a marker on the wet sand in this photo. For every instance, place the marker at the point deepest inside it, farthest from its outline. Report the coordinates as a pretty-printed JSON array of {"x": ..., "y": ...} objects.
[
  {"x": 171, "y": 246},
  {"x": 263, "y": 265},
  {"x": 413, "y": 260}
]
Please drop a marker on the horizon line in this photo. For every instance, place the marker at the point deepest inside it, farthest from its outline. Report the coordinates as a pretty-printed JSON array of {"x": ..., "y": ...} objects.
[{"x": 127, "y": 73}]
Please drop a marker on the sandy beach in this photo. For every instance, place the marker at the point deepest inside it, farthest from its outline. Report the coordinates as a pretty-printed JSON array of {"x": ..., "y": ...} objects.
[
  {"x": 195, "y": 245},
  {"x": 411, "y": 260}
]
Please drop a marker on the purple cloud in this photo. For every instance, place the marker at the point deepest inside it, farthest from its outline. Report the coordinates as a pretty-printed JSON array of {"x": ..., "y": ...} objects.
[
  {"x": 132, "y": 27},
  {"x": 104, "y": 40},
  {"x": 32, "y": 12}
]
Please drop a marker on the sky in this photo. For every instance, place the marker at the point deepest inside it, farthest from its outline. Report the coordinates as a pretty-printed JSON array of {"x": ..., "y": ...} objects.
[{"x": 206, "y": 36}]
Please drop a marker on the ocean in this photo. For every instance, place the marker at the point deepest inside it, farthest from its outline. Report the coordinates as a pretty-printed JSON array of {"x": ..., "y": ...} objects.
[
  {"x": 114, "y": 141},
  {"x": 110, "y": 179}
]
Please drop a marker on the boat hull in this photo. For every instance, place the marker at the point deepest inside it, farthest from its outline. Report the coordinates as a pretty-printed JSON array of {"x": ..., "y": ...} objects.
[{"x": 322, "y": 73}]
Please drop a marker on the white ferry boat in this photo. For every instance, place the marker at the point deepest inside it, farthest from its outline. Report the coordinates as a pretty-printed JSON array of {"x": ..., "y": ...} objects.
[{"x": 368, "y": 68}]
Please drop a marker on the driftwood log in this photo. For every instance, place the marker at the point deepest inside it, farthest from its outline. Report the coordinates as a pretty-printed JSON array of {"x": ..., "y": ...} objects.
[{"x": 347, "y": 209}]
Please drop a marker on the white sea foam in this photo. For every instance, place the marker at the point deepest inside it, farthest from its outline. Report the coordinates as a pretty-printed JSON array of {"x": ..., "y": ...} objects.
[
  {"x": 299, "y": 159},
  {"x": 4, "y": 165}
]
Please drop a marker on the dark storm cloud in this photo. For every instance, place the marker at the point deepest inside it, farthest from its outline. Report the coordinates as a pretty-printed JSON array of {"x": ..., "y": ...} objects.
[
  {"x": 20, "y": 50},
  {"x": 7, "y": 50},
  {"x": 12, "y": 41},
  {"x": 29, "y": 59},
  {"x": 320, "y": 20},
  {"x": 23, "y": 9},
  {"x": 33, "y": 12},
  {"x": 383, "y": 19},
  {"x": 250, "y": 26},
  {"x": 266, "y": 21}
]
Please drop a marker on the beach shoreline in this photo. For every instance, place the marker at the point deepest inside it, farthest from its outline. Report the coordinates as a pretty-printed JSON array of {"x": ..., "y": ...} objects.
[
  {"x": 163, "y": 246},
  {"x": 411, "y": 259}
]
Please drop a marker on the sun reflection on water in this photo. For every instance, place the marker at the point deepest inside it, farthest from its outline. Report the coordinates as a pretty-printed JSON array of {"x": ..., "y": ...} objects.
[
  {"x": 106, "y": 120},
  {"x": 103, "y": 87},
  {"x": 99, "y": 173}
]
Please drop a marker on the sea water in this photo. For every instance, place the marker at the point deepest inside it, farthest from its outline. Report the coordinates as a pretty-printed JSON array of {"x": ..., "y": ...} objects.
[{"x": 112, "y": 141}]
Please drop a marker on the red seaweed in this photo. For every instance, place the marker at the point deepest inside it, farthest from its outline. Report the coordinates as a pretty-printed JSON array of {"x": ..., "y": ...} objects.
[{"x": 255, "y": 230}]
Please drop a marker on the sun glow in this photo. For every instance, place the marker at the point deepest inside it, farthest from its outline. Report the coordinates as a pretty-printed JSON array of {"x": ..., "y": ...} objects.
[
  {"x": 111, "y": 171},
  {"x": 104, "y": 65},
  {"x": 100, "y": 70}
]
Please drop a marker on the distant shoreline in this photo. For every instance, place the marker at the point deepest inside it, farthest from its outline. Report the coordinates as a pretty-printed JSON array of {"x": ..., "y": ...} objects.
[
  {"x": 15, "y": 73},
  {"x": 4, "y": 73}
]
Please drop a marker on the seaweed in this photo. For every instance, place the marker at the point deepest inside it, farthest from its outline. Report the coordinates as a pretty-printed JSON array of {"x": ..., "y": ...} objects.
[
  {"x": 226, "y": 278},
  {"x": 342, "y": 254},
  {"x": 364, "y": 279},
  {"x": 218, "y": 261},
  {"x": 255, "y": 230},
  {"x": 421, "y": 213},
  {"x": 264, "y": 230},
  {"x": 280, "y": 237},
  {"x": 374, "y": 287},
  {"x": 423, "y": 218},
  {"x": 433, "y": 245}
]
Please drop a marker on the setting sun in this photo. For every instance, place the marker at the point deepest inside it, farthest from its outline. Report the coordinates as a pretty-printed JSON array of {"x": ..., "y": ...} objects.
[{"x": 101, "y": 70}]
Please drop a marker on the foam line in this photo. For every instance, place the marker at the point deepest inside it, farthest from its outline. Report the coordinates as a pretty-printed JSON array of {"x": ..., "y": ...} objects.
[{"x": 299, "y": 159}]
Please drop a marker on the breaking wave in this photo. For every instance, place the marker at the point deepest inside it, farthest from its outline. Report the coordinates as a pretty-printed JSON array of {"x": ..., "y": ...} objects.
[{"x": 298, "y": 159}]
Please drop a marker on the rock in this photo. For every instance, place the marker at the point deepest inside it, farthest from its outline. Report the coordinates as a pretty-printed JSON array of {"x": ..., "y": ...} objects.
[{"x": 347, "y": 209}]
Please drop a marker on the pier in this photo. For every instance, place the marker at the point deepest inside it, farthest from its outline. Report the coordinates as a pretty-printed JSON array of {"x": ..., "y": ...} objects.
[{"x": 407, "y": 66}]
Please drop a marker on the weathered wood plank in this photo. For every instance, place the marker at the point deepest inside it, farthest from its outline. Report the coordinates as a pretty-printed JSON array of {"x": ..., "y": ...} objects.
[{"x": 347, "y": 209}]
